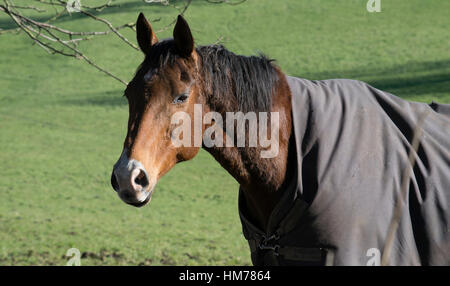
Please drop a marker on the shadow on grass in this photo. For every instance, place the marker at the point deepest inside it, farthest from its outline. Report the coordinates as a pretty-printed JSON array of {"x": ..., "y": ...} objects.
[
  {"x": 411, "y": 79},
  {"x": 110, "y": 98},
  {"x": 436, "y": 83}
]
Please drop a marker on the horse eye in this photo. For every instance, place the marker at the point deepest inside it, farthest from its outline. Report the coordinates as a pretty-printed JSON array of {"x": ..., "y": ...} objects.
[{"x": 181, "y": 98}]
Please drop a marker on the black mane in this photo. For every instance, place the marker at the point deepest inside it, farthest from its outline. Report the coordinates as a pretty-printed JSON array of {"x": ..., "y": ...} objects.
[{"x": 249, "y": 79}]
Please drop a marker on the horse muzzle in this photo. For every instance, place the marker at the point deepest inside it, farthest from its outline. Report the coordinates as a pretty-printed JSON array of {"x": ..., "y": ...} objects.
[{"x": 131, "y": 181}]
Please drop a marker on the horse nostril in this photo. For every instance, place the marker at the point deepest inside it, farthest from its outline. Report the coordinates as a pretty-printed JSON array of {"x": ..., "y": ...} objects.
[
  {"x": 141, "y": 179},
  {"x": 114, "y": 182}
]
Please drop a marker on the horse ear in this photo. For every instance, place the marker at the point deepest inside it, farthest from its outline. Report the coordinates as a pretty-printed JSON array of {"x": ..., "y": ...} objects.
[
  {"x": 183, "y": 37},
  {"x": 145, "y": 36}
]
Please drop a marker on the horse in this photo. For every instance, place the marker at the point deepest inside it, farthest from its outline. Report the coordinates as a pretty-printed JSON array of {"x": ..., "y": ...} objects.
[{"x": 329, "y": 194}]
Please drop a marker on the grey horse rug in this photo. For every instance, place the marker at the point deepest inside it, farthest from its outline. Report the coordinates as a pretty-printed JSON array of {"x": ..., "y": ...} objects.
[{"x": 361, "y": 187}]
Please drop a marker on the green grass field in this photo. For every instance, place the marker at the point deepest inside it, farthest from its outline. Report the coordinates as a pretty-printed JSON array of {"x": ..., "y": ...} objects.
[{"x": 62, "y": 123}]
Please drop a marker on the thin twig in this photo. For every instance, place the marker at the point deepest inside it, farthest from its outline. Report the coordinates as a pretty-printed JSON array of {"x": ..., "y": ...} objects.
[
  {"x": 29, "y": 8},
  {"x": 182, "y": 11},
  {"x": 225, "y": 1},
  {"x": 114, "y": 30},
  {"x": 401, "y": 201},
  {"x": 79, "y": 54}
]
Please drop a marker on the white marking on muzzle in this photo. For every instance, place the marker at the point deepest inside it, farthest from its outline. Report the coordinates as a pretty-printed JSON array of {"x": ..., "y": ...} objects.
[{"x": 126, "y": 169}]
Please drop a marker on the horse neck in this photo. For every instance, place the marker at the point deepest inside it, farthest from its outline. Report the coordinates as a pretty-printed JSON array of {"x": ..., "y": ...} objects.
[{"x": 261, "y": 179}]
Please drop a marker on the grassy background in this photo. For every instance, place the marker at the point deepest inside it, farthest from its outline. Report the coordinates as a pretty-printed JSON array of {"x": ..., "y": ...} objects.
[{"x": 62, "y": 123}]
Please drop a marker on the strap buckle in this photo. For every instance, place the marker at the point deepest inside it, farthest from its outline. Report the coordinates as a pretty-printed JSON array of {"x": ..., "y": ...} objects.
[{"x": 268, "y": 243}]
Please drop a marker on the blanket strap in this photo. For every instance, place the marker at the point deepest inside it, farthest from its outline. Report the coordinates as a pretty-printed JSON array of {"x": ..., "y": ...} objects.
[{"x": 268, "y": 248}]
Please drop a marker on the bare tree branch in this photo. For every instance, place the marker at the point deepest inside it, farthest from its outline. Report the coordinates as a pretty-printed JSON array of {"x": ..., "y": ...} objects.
[
  {"x": 55, "y": 39},
  {"x": 40, "y": 31}
]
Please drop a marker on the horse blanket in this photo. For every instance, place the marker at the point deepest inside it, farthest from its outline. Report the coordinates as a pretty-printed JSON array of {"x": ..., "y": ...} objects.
[{"x": 353, "y": 148}]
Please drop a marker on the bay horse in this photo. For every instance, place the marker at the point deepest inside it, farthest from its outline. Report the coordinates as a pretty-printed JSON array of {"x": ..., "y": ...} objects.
[{"x": 328, "y": 195}]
